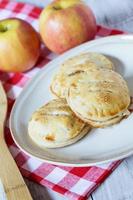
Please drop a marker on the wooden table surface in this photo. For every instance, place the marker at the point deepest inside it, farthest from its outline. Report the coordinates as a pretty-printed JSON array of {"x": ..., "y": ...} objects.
[{"x": 119, "y": 185}]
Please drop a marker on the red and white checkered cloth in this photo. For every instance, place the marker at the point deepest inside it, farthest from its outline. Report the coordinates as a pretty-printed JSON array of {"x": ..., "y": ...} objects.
[{"x": 75, "y": 183}]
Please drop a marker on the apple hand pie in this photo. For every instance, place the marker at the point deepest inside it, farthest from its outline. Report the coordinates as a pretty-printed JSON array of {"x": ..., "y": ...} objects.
[
  {"x": 99, "y": 97},
  {"x": 55, "y": 125}
]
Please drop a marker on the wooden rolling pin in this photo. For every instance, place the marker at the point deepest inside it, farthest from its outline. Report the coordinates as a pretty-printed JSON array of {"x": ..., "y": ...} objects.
[{"x": 14, "y": 185}]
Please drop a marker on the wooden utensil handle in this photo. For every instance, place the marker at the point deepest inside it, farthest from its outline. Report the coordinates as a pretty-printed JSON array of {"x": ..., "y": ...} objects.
[{"x": 12, "y": 180}]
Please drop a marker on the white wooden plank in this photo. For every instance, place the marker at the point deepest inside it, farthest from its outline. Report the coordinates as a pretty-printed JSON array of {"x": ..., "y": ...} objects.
[
  {"x": 119, "y": 185},
  {"x": 2, "y": 192}
]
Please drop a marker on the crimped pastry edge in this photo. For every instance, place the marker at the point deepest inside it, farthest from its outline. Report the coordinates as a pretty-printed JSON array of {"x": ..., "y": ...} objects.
[{"x": 101, "y": 124}]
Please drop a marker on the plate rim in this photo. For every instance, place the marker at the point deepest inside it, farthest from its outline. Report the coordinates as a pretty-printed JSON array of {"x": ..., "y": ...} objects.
[{"x": 45, "y": 68}]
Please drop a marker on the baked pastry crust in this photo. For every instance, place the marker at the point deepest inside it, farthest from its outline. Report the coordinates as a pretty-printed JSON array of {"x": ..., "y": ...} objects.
[
  {"x": 55, "y": 125},
  {"x": 76, "y": 65},
  {"x": 99, "y": 95}
]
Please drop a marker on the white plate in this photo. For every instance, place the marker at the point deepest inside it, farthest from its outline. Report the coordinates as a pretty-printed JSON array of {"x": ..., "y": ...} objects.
[{"x": 100, "y": 145}]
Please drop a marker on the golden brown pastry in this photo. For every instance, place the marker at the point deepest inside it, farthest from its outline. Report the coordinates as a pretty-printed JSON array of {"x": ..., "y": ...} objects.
[
  {"x": 76, "y": 65},
  {"x": 99, "y": 97},
  {"x": 55, "y": 125}
]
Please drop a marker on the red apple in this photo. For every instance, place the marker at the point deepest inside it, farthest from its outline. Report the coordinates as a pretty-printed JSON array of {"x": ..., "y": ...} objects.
[
  {"x": 19, "y": 45},
  {"x": 65, "y": 24}
]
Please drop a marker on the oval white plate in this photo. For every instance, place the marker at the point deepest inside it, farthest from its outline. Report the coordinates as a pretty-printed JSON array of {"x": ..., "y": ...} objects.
[{"x": 100, "y": 145}]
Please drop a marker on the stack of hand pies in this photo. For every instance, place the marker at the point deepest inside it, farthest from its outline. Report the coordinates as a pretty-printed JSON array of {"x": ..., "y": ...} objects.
[{"x": 89, "y": 94}]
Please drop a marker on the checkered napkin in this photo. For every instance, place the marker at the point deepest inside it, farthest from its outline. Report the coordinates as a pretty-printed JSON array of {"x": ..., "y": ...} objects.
[{"x": 74, "y": 182}]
